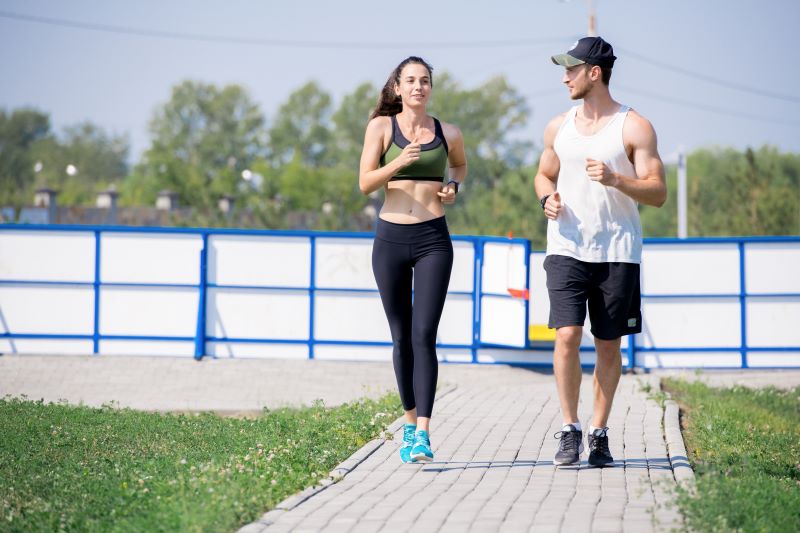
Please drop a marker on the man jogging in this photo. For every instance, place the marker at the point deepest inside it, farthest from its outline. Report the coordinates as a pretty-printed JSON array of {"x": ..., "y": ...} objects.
[{"x": 600, "y": 159}]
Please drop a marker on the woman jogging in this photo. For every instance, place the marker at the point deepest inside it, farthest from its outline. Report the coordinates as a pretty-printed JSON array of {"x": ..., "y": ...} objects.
[{"x": 408, "y": 152}]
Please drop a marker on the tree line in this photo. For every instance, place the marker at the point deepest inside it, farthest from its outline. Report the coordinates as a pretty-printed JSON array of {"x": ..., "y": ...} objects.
[{"x": 300, "y": 169}]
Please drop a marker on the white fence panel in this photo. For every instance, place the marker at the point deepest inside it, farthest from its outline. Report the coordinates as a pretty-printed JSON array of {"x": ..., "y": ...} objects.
[
  {"x": 172, "y": 258},
  {"x": 772, "y": 267},
  {"x": 456, "y": 324},
  {"x": 148, "y": 311},
  {"x": 28, "y": 256},
  {"x": 773, "y": 322},
  {"x": 691, "y": 322},
  {"x": 350, "y": 316},
  {"x": 253, "y": 260},
  {"x": 149, "y": 348},
  {"x": 462, "y": 278},
  {"x": 690, "y": 269},
  {"x": 258, "y": 314},
  {"x": 343, "y": 263},
  {"x": 47, "y": 309},
  {"x": 46, "y": 346}
]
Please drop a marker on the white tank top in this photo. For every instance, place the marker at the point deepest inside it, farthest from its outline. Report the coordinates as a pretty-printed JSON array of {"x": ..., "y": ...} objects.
[{"x": 596, "y": 224}]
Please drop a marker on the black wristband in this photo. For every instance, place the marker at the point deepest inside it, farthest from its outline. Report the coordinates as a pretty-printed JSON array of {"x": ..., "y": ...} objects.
[
  {"x": 455, "y": 184},
  {"x": 543, "y": 200}
]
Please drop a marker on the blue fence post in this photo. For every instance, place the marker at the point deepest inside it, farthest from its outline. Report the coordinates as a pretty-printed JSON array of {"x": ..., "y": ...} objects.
[
  {"x": 96, "y": 327},
  {"x": 631, "y": 351},
  {"x": 311, "y": 295},
  {"x": 476, "y": 298},
  {"x": 200, "y": 334},
  {"x": 743, "y": 303},
  {"x": 527, "y": 247}
]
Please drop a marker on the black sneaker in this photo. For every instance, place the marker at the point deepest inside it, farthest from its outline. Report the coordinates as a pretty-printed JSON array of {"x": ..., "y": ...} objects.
[
  {"x": 571, "y": 446},
  {"x": 599, "y": 455}
]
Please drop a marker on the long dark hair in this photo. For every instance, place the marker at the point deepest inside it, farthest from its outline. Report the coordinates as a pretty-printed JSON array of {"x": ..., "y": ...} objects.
[{"x": 389, "y": 103}]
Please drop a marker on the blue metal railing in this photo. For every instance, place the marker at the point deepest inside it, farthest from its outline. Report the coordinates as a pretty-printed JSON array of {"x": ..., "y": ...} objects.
[{"x": 202, "y": 337}]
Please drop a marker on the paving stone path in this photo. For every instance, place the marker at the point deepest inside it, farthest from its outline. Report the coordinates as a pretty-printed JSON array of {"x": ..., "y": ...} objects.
[{"x": 493, "y": 470}]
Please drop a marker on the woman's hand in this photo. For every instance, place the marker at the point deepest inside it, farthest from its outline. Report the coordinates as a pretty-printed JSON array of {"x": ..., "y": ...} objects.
[
  {"x": 447, "y": 194},
  {"x": 409, "y": 154}
]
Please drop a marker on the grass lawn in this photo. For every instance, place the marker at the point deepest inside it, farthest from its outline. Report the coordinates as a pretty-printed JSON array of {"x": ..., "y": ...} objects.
[
  {"x": 84, "y": 469},
  {"x": 745, "y": 447}
]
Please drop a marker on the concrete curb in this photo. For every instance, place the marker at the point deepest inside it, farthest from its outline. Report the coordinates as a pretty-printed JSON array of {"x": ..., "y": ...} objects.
[
  {"x": 335, "y": 475},
  {"x": 676, "y": 448}
]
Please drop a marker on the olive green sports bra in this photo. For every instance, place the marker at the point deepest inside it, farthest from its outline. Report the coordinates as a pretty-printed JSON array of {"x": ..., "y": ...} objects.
[{"x": 432, "y": 162}]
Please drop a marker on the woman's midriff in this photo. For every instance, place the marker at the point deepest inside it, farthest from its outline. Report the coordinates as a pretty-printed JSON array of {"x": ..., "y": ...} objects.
[{"x": 410, "y": 201}]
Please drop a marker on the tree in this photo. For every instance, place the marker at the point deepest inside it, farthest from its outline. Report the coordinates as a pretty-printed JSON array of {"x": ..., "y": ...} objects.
[
  {"x": 750, "y": 193},
  {"x": 100, "y": 160},
  {"x": 302, "y": 127},
  {"x": 509, "y": 207},
  {"x": 203, "y": 139},
  {"x": 662, "y": 221},
  {"x": 350, "y": 121},
  {"x": 19, "y": 131},
  {"x": 486, "y": 116},
  {"x": 334, "y": 196}
]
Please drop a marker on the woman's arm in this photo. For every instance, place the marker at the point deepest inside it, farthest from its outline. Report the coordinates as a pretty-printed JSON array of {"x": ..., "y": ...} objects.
[
  {"x": 457, "y": 159},
  {"x": 371, "y": 175}
]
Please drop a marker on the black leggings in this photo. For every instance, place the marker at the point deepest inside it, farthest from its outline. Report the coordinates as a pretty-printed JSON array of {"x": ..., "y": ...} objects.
[{"x": 426, "y": 249}]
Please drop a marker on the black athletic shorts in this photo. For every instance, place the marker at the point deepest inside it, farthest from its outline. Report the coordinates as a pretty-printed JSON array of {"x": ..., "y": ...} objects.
[{"x": 611, "y": 290}]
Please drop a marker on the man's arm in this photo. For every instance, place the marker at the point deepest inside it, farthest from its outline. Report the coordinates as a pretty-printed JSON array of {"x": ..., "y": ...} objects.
[
  {"x": 545, "y": 181},
  {"x": 649, "y": 186}
]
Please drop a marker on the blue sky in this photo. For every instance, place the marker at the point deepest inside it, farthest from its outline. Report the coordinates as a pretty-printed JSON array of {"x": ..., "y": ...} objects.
[{"x": 117, "y": 80}]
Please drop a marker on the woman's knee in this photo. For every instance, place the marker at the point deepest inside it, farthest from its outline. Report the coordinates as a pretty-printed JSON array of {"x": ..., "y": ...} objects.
[{"x": 424, "y": 336}]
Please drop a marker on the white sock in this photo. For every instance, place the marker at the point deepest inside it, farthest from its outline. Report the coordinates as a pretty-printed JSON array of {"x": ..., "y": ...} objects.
[
  {"x": 592, "y": 429},
  {"x": 567, "y": 424}
]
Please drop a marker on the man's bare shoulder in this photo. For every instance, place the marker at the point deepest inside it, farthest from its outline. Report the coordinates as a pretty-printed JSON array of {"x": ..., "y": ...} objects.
[
  {"x": 552, "y": 127},
  {"x": 637, "y": 125},
  {"x": 556, "y": 121}
]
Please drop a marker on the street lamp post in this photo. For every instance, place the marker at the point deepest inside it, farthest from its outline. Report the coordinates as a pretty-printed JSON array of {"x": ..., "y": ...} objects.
[{"x": 592, "y": 26}]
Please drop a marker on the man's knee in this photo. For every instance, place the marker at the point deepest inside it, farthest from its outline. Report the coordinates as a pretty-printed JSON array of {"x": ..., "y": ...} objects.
[
  {"x": 607, "y": 349},
  {"x": 569, "y": 336}
]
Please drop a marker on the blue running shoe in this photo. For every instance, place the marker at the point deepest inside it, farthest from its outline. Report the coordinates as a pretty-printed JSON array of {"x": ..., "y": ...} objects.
[
  {"x": 408, "y": 442},
  {"x": 421, "y": 452}
]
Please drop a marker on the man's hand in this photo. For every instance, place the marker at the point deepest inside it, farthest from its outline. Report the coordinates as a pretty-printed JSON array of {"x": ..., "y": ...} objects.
[
  {"x": 553, "y": 206},
  {"x": 599, "y": 172}
]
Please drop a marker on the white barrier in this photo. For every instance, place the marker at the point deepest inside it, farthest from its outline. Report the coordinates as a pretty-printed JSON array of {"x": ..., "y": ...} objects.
[{"x": 229, "y": 293}]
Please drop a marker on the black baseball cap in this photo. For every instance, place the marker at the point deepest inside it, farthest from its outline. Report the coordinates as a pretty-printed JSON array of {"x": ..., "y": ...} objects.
[{"x": 592, "y": 50}]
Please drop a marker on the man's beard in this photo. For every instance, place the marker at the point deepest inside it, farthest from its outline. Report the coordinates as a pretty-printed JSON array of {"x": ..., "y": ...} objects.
[{"x": 580, "y": 94}]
